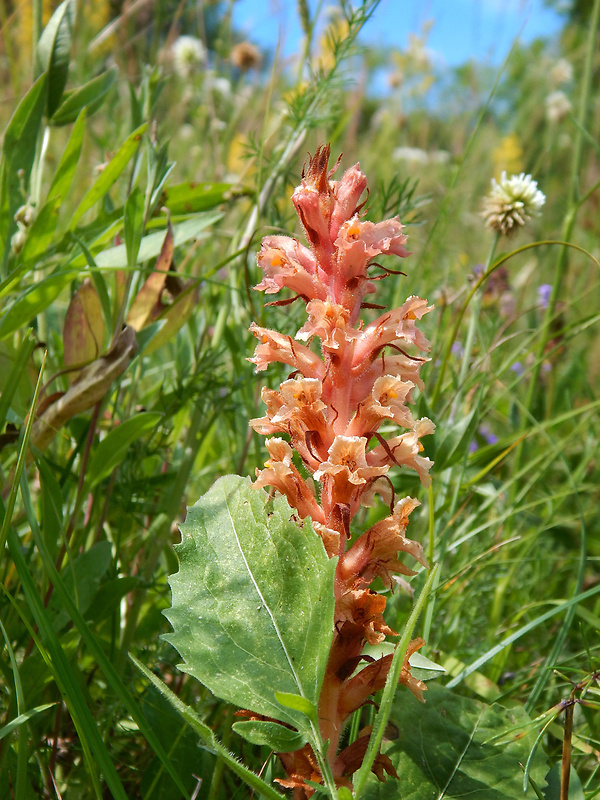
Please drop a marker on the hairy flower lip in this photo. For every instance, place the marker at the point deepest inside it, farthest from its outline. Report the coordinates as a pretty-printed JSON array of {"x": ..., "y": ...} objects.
[
  {"x": 276, "y": 346},
  {"x": 347, "y": 458}
]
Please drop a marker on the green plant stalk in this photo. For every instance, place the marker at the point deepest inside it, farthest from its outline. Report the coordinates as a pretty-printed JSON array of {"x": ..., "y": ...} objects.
[
  {"x": 112, "y": 675},
  {"x": 502, "y": 260},
  {"x": 94, "y": 749},
  {"x": 36, "y": 32},
  {"x": 573, "y": 205},
  {"x": 565, "y": 773},
  {"x": 21, "y": 783},
  {"x": 473, "y": 322},
  {"x": 217, "y": 776},
  {"x": 159, "y": 531},
  {"x": 476, "y": 296},
  {"x": 517, "y": 492},
  {"x": 390, "y": 687},
  {"x": 208, "y": 737},
  {"x": 430, "y": 601},
  {"x": 8, "y": 47},
  {"x": 21, "y": 461},
  {"x": 479, "y": 662}
]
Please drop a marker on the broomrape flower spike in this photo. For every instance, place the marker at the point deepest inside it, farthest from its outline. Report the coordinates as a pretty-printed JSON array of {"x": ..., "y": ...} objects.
[
  {"x": 511, "y": 203},
  {"x": 330, "y": 409}
]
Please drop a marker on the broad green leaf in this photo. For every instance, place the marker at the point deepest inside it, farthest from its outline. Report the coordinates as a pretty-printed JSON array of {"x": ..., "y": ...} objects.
[
  {"x": 63, "y": 177},
  {"x": 253, "y": 600},
  {"x": 82, "y": 579},
  {"x": 18, "y": 153},
  {"x": 34, "y": 300},
  {"x": 133, "y": 223},
  {"x": 110, "y": 174},
  {"x": 552, "y": 790},
  {"x": 297, "y": 703},
  {"x": 190, "y": 197},
  {"x": 108, "y": 597},
  {"x": 54, "y": 52},
  {"x": 111, "y": 450},
  {"x": 442, "y": 750},
  {"x": 270, "y": 734},
  {"x": 40, "y": 235},
  {"x": 90, "y": 97}
]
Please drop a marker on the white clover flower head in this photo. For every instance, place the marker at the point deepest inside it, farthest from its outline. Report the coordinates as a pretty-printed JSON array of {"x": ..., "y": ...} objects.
[
  {"x": 415, "y": 155},
  {"x": 218, "y": 85},
  {"x": 189, "y": 54},
  {"x": 512, "y": 202},
  {"x": 558, "y": 106},
  {"x": 561, "y": 72}
]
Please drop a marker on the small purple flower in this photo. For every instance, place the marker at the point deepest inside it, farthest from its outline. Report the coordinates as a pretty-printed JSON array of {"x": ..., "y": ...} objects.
[
  {"x": 487, "y": 434},
  {"x": 518, "y": 368},
  {"x": 544, "y": 291},
  {"x": 457, "y": 349}
]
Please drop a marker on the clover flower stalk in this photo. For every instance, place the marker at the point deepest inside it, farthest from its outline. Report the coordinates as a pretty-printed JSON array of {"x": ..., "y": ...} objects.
[{"x": 331, "y": 409}]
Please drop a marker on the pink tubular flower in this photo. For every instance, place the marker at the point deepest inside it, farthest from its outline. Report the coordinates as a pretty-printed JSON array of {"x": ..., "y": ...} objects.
[{"x": 331, "y": 408}]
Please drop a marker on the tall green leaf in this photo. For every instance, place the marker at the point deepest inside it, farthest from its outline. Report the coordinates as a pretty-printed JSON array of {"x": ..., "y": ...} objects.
[
  {"x": 110, "y": 174},
  {"x": 54, "y": 52},
  {"x": 63, "y": 177},
  {"x": 111, "y": 450},
  {"x": 208, "y": 737},
  {"x": 34, "y": 300},
  {"x": 253, "y": 600},
  {"x": 90, "y": 97},
  {"x": 93, "y": 643},
  {"x": 18, "y": 154}
]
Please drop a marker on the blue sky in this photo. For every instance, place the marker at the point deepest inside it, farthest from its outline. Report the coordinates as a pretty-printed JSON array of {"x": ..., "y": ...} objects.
[{"x": 463, "y": 29}]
